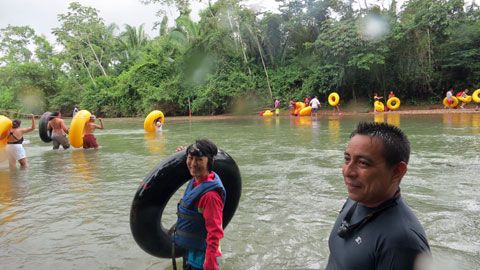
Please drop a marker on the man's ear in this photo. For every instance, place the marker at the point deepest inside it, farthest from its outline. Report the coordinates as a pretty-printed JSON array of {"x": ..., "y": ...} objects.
[{"x": 399, "y": 170}]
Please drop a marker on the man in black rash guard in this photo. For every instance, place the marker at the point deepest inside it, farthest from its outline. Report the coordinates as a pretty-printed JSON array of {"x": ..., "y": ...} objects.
[{"x": 376, "y": 229}]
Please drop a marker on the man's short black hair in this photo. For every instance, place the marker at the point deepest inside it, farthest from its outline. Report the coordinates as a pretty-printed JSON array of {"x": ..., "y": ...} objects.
[
  {"x": 396, "y": 147},
  {"x": 203, "y": 148}
]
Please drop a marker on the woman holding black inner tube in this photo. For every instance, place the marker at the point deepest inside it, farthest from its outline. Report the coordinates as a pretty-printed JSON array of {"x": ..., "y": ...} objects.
[{"x": 200, "y": 211}]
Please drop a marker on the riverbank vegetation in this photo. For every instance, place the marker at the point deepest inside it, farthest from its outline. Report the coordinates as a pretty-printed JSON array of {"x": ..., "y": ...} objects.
[{"x": 235, "y": 58}]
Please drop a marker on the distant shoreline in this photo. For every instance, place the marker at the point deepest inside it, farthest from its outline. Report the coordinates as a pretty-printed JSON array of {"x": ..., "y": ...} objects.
[{"x": 404, "y": 110}]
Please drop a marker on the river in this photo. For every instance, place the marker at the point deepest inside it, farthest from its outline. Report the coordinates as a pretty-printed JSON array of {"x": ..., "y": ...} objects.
[{"x": 70, "y": 208}]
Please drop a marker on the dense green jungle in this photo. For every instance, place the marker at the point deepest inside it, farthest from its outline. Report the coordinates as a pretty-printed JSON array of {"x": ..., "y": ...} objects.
[{"x": 235, "y": 59}]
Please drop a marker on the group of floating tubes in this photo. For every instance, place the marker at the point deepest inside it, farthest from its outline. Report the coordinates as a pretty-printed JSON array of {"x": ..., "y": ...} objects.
[
  {"x": 298, "y": 107},
  {"x": 149, "y": 123},
  {"x": 302, "y": 109}
]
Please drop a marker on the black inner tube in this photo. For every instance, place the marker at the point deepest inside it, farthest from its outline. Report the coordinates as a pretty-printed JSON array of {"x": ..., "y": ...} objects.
[
  {"x": 45, "y": 135},
  {"x": 158, "y": 187}
]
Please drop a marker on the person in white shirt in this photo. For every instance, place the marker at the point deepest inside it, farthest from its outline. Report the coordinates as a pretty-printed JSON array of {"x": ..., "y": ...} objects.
[{"x": 315, "y": 106}]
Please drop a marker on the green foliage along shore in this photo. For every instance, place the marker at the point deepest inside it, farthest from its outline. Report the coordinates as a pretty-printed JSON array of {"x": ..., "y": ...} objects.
[{"x": 235, "y": 59}]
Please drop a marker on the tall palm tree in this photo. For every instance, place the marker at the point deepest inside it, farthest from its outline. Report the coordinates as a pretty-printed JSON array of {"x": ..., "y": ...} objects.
[
  {"x": 186, "y": 31},
  {"x": 134, "y": 39}
]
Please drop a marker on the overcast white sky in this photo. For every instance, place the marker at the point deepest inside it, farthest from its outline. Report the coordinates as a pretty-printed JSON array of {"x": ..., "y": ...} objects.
[{"x": 41, "y": 15}]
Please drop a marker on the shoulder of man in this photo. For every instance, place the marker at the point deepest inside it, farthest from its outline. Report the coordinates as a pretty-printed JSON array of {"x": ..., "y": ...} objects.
[{"x": 407, "y": 231}]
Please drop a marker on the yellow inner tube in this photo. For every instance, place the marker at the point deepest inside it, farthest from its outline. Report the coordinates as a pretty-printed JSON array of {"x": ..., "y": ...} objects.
[
  {"x": 476, "y": 95},
  {"x": 393, "y": 100},
  {"x": 379, "y": 106},
  {"x": 5, "y": 126},
  {"x": 75, "y": 133},
  {"x": 333, "y": 99},
  {"x": 466, "y": 99},
  {"x": 454, "y": 104},
  {"x": 305, "y": 111},
  {"x": 267, "y": 113},
  {"x": 300, "y": 106},
  {"x": 149, "y": 124}
]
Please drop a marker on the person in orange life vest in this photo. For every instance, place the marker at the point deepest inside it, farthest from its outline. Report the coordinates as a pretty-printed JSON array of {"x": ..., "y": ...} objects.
[{"x": 200, "y": 211}]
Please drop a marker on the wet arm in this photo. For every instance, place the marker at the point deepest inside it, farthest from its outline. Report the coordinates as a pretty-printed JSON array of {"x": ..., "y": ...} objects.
[
  {"x": 101, "y": 123},
  {"x": 64, "y": 127},
  {"x": 33, "y": 125}
]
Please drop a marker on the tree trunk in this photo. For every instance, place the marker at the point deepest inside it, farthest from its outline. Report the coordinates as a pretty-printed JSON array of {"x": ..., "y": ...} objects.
[
  {"x": 284, "y": 51},
  {"x": 263, "y": 62},
  {"x": 88, "y": 71},
  {"x": 96, "y": 58},
  {"x": 243, "y": 50},
  {"x": 429, "y": 49},
  {"x": 79, "y": 85},
  {"x": 231, "y": 27}
]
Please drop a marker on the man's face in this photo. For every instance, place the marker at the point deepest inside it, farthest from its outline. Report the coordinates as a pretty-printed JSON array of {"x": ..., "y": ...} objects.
[
  {"x": 368, "y": 178},
  {"x": 197, "y": 166}
]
